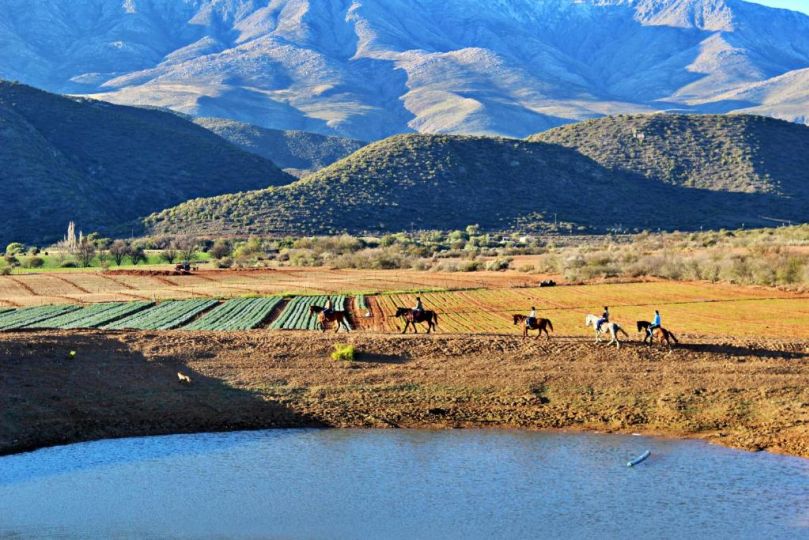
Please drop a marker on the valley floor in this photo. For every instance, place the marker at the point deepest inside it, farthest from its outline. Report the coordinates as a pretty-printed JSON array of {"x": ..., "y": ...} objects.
[{"x": 747, "y": 393}]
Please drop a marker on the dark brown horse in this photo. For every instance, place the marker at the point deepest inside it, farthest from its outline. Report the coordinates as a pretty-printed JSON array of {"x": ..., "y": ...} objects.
[
  {"x": 340, "y": 318},
  {"x": 663, "y": 336},
  {"x": 411, "y": 318},
  {"x": 538, "y": 324}
]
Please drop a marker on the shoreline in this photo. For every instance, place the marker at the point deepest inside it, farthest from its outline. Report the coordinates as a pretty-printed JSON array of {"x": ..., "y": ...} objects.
[{"x": 744, "y": 394}]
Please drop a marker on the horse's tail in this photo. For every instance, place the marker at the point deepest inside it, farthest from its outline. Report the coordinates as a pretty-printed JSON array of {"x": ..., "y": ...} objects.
[
  {"x": 619, "y": 329},
  {"x": 550, "y": 325},
  {"x": 671, "y": 334},
  {"x": 435, "y": 319}
]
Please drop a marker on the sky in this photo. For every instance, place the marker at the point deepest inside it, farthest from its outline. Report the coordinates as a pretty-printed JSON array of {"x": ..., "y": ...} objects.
[{"x": 797, "y": 5}]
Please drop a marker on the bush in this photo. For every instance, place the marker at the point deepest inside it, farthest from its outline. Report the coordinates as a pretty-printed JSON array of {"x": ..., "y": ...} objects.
[
  {"x": 470, "y": 266},
  {"x": 343, "y": 352},
  {"x": 69, "y": 264},
  {"x": 226, "y": 262},
  {"x": 35, "y": 262},
  {"x": 221, "y": 249},
  {"x": 5, "y": 271},
  {"x": 498, "y": 265}
]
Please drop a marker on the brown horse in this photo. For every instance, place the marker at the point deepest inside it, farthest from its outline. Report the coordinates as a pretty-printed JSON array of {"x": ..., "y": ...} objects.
[
  {"x": 539, "y": 324},
  {"x": 338, "y": 317},
  {"x": 663, "y": 336},
  {"x": 411, "y": 318}
]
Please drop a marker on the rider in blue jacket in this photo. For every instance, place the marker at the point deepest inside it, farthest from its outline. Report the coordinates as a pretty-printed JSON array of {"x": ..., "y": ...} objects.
[{"x": 655, "y": 323}]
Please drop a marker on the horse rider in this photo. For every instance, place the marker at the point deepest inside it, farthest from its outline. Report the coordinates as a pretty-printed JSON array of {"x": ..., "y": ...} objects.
[
  {"x": 531, "y": 321},
  {"x": 329, "y": 309},
  {"x": 418, "y": 311},
  {"x": 605, "y": 318},
  {"x": 655, "y": 323}
]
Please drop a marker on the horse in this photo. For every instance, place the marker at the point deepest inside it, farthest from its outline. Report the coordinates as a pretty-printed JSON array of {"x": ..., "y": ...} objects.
[
  {"x": 338, "y": 317},
  {"x": 664, "y": 336},
  {"x": 613, "y": 328},
  {"x": 411, "y": 318},
  {"x": 539, "y": 324}
]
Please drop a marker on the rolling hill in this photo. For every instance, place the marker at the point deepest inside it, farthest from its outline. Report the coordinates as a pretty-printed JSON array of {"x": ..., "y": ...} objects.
[
  {"x": 734, "y": 153},
  {"x": 296, "y": 152},
  {"x": 367, "y": 70},
  {"x": 101, "y": 164},
  {"x": 447, "y": 182}
]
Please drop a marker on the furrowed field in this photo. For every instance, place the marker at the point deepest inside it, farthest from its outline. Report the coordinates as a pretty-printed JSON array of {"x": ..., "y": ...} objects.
[
  {"x": 689, "y": 308},
  {"x": 482, "y": 302},
  {"x": 93, "y": 286}
]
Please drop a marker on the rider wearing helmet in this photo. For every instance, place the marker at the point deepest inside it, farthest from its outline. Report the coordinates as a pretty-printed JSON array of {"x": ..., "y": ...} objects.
[
  {"x": 655, "y": 323},
  {"x": 605, "y": 317}
]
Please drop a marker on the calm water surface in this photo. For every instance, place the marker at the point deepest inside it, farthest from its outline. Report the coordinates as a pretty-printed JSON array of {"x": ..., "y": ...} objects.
[{"x": 401, "y": 484}]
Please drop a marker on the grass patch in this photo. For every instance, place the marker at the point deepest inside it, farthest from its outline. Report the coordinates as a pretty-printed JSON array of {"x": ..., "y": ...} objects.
[{"x": 343, "y": 352}]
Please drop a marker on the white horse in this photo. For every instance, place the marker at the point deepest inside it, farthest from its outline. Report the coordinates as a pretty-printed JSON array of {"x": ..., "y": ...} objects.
[{"x": 611, "y": 327}]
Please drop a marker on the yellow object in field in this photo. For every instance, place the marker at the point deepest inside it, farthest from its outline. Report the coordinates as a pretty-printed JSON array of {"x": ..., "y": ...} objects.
[{"x": 71, "y": 354}]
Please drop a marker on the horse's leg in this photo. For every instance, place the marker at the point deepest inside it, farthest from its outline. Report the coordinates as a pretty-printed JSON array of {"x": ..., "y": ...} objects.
[{"x": 407, "y": 323}]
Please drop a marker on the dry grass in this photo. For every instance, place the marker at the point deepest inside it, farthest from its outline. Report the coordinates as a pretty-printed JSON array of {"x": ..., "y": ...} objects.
[{"x": 687, "y": 308}]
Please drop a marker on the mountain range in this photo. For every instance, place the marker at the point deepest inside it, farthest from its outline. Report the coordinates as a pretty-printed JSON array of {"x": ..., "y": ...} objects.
[{"x": 370, "y": 69}]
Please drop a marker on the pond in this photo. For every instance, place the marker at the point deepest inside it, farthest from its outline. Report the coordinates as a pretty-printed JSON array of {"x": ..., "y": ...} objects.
[{"x": 401, "y": 484}]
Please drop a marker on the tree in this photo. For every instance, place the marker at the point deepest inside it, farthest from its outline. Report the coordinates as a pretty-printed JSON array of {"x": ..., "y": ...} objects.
[
  {"x": 119, "y": 251},
  {"x": 137, "y": 254},
  {"x": 221, "y": 248},
  {"x": 85, "y": 252},
  {"x": 187, "y": 246},
  {"x": 169, "y": 254},
  {"x": 14, "y": 248}
]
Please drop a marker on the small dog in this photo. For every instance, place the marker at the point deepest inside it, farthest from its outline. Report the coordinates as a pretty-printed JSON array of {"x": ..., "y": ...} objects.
[{"x": 184, "y": 379}]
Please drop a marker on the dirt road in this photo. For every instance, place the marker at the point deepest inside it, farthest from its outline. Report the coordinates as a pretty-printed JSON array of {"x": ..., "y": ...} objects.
[{"x": 748, "y": 394}]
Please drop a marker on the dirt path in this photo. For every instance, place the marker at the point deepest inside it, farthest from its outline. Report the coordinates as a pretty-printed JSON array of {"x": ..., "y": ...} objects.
[{"x": 748, "y": 394}]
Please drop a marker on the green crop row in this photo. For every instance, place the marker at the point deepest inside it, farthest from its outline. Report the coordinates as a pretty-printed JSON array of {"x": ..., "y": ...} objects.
[
  {"x": 296, "y": 315},
  {"x": 238, "y": 314},
  {"x": 164, "y": 316},
  {"x": 92, "y": 316},
  {"x": 20, "y": 318}
]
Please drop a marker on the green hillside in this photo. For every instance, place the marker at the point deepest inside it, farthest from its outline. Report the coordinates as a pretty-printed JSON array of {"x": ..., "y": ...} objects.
[
  {"x": 739, "y": 153},
  {"x": 447, "y": 182},
  {"x": 101, "y": 165},
  {"x": 297, "y": 152}
]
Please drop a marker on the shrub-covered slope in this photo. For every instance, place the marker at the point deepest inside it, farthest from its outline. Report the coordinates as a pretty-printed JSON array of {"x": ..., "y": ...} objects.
[
  {"x": 64, "y": 159},
  {"x": 740, "y": 153},
  {"x": 447, "y": 182}
]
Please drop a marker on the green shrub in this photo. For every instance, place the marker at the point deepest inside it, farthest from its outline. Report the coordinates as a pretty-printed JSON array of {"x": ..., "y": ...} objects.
[
  {"x": 343, "y": 352},
  {"x": 34, "y": 262}
]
